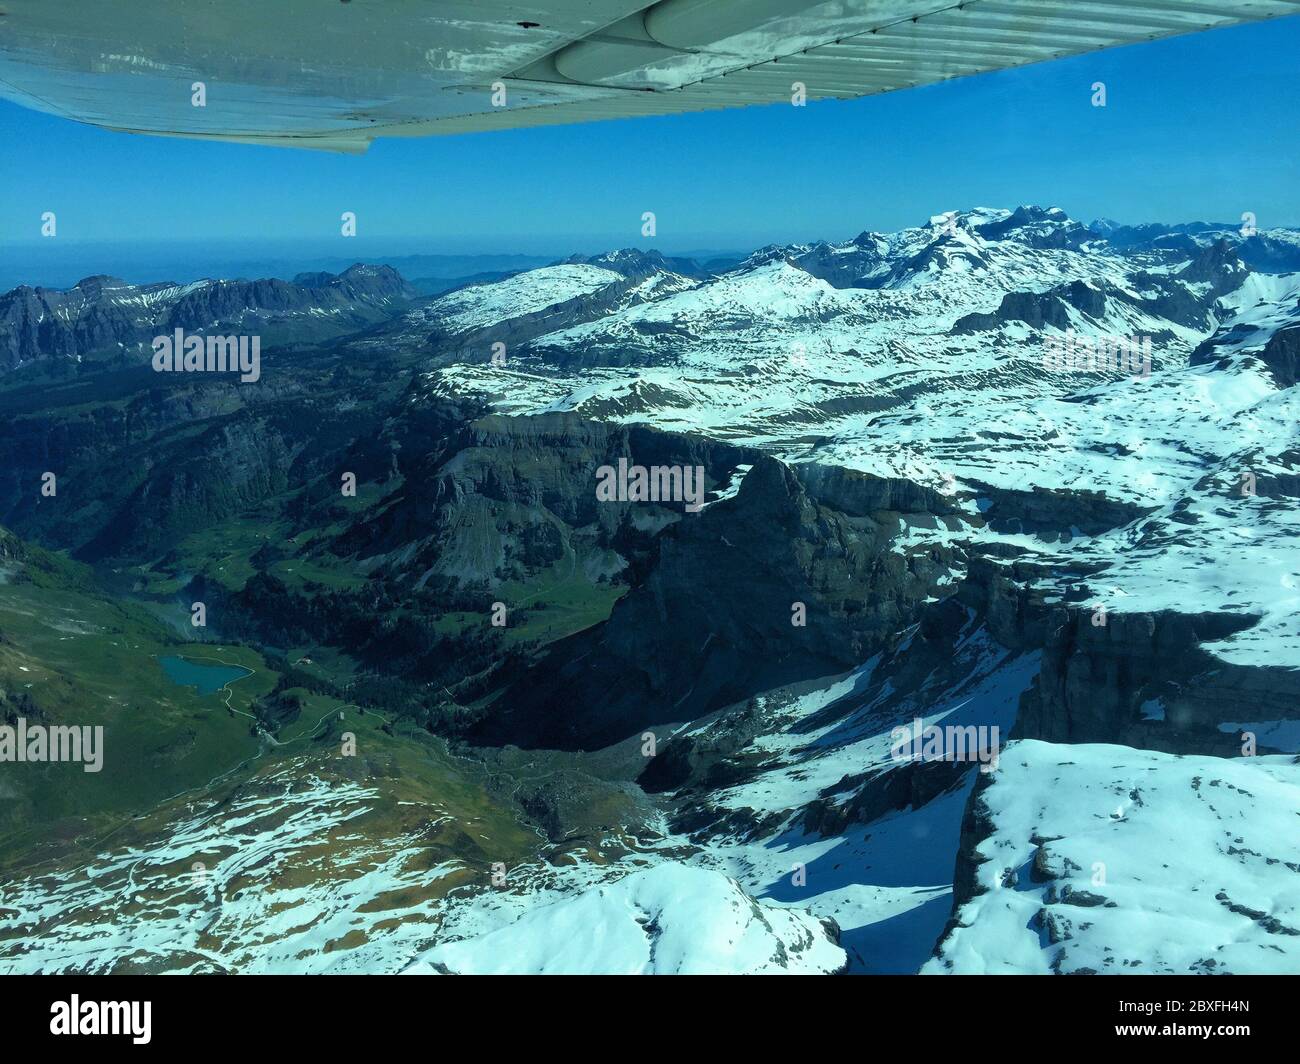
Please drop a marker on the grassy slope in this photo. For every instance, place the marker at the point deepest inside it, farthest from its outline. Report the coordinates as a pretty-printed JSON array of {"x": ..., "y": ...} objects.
[{"x": 86, "y": 658}]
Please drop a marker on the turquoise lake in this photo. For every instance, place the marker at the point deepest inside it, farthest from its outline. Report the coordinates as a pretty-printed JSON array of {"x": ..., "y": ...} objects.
[{"x": 207, "y": 676}]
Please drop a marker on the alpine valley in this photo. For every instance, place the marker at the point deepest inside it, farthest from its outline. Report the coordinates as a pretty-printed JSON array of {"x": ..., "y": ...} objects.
[{"x": 448, "y": 708}]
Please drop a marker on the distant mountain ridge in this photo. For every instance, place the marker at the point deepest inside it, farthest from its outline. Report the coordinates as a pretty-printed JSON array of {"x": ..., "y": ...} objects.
[{"x": 103, "y": 314}]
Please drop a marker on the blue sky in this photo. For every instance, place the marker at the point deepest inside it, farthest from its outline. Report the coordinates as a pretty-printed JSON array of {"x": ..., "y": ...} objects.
[{"x": 1195, "y": 127}]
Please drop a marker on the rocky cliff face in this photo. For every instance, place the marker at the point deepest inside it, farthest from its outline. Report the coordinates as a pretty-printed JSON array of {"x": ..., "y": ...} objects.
[
  {"x": 1282, "y": 356},
  {"x": 497, "y": 499},
  {"x": 101, "y": 314},
  {"x": 790, "y": 579},
  {"x": 1037, "y": 309},
  {"x": 226, "y": 470},
  {"x": 1145, "y": 680}
]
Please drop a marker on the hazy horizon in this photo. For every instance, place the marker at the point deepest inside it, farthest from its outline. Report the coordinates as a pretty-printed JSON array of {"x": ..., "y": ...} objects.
[{"x": 61, "y": 264}]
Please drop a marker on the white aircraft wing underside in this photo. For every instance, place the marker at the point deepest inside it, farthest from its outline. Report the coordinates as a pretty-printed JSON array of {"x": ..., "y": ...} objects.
[{"x": 335, "y": 74}]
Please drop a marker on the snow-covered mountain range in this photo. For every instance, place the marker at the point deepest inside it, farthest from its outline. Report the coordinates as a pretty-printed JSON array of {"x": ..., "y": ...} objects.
[
  {"x": 1032, "y": 478},
  {"x": 1163, "y": 492},
  {"x": 928, "y": 355}
]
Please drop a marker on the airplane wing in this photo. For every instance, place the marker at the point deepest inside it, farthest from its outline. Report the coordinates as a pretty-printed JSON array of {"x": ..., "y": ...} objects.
[{"x": 335, "y": 74}]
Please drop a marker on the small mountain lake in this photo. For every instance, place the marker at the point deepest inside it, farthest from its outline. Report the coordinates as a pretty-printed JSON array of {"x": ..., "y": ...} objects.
[{"x": 207, "y": 676}]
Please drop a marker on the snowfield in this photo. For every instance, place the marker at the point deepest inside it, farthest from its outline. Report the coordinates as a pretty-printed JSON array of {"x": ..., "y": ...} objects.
[
  {"x": 1115, "y": 860},
  {"x": 669, "y": 919},
  {"x": 482, "y": 305}
]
